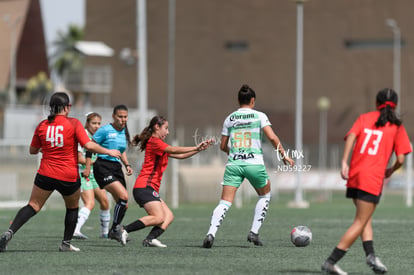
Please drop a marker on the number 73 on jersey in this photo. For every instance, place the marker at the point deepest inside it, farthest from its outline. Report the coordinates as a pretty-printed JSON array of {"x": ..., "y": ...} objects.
[{"x": 371, "y": 142}]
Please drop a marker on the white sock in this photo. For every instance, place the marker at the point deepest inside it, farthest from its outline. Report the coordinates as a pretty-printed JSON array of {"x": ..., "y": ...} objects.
[
  {"x": 82, "y": 217},
  {"x": 105, "y": 218},
  {"x": 219, "y": 214},
  {"x": 260, "y": 212}
]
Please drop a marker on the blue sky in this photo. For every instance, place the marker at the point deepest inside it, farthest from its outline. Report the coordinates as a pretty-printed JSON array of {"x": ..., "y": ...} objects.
[{"x": 58, "y": 14}]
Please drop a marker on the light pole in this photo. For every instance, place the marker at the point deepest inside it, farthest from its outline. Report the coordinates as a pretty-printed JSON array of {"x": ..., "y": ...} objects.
[
  {"x": 13, "y": 48},
  {"x": 142, "y": 74},
  {"x": 397, "y": 57},
  {"x": 171, "y": 66},
  {"x": 299, "y": 202},
  {"x": 323, "y": 105},
  {"x": 171, "y": 100}
]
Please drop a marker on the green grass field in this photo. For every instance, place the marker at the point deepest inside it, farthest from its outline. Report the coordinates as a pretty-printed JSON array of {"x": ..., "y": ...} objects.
[{"x": 34, "y": 249}]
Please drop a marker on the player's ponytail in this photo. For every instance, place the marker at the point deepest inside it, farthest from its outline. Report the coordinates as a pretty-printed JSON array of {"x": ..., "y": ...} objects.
[
  {"x": 387, "y": 100},
  {"x": 147, "y": 132},
  {"x": 57, "y": 104}
]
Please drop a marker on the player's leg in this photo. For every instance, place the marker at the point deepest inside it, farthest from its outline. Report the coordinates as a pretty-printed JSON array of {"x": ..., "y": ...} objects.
[
  {"x": 109, "y": 176},
  {"x": 71, "y": 195},
  {"x": 233, "y": 177},
  {"x": 104, "y": 213},
  {"x": 219, "y": 213},
  {"x": 364, "y": 211},
  {"x": 367, "y": 237},
  {"x": 150, "y": 200},
  {"x": 259, "y": 179},
  {"x": 37, "y": 199},
  {"x": 120, "y": 195},
  {"x": 157, "y": 230},
  {"x": 88, "y": 200},
  {"x": 155, "y": 217}
]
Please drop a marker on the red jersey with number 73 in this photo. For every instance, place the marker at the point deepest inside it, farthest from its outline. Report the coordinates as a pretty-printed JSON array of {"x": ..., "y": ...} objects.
[
  {"x": 372, "y": 151},
  {"x": 59, "y": 143}
]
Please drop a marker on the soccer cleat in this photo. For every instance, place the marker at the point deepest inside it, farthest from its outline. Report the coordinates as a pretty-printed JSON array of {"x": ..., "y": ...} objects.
[
  {"x": 79, "y": 236},
  {"x": 328, "y": 268},
  {"x": 153, "y": 243},
  {"x": 124, "y": 237},
  {"x": 254, "y": 238},
  {"x": 119, "y": 234},
  {"x": 5, "y": 239},
  {"x": 103, "y": 236},
  {"x": 67, "y": 247},
  {"x": 208, "y": 241},
  {"x": 375, "y": 264},
  {"x": 113, "y": 235}
]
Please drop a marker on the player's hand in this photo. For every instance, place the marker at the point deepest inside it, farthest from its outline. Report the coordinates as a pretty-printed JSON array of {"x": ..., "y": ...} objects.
[
  {"x": 204, "y": 145},
  {"x": 129, "y": 170},
  {"x": 389, "y": 172},
  {"x": 345, "y": 171},
  {"x": 114, "y": 153},
  {"x": 288, "y": 161},
  {"x": 86, "y": 173}
]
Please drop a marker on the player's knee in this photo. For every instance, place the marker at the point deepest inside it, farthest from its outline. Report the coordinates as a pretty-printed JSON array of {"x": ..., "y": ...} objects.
[
  {"x": 169, "y": 219},
  {"x": 104, "y": 203},
  {"x": 124, "y": 197},
  {"x": 158, "y": 220},
  {"x": 90, "y": 204}
]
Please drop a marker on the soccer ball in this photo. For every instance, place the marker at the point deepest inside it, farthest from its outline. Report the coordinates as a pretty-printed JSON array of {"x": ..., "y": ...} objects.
[{"x": 301, "y": 236}]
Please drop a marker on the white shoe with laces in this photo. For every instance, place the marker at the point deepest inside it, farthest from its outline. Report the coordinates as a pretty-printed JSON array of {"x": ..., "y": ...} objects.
[
  {"x": 328, "y": 268},
  {"x": 153, "y": 243},
  {"x": 124, "y": 237},
  {"x": 67, "y": 247},
  {"x": 119, "y": 234},
  {"x": 376, "y": 265}
]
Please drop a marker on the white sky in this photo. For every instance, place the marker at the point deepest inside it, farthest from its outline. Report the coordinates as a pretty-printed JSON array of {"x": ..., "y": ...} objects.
[{"x": 58, "y": 14}]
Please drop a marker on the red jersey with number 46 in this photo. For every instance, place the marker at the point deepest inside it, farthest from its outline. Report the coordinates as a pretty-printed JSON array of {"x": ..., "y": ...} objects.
[
  {"x": 59, "y": 143},
  {"x": 372, "y": 151},
  {"x": 155, "y": 163}
]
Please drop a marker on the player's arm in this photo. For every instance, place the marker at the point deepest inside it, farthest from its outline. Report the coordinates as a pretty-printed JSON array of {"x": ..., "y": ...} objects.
[
  {"x": 87, "y": 161},
  {"x": 81, "y": 158},
  {"x": 349, "y": 143},
  {"x": 397, "y": 164},
  {"x": 180, "y": 152},
  {"x": 275, "y": 141},
  {"x": 125, "y": 161},
  {"x": 96, "y": 148},
  {"x": 224, "y": 145}
]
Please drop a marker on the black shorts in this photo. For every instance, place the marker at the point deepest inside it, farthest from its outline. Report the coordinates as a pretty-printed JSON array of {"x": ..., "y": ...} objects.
[
  {"x": 65, "y": 188},
  {"x": 106, "y": 172},
  {"x": 144, "y": 195},
  {"x": 362, "y": 195}
]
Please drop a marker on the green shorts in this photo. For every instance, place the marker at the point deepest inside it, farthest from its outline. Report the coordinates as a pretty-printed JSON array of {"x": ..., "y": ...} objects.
[
  {"x": 235, "y": 174},
  {"x": 88, "y": 184}
]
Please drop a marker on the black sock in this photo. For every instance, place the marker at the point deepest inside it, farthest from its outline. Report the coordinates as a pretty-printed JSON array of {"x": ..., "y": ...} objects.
[
  {"x": 134, "y": 226},
  {"x": 336, "y": 255},
  {"x": 119, "y": 212},
  {"x": 71, "y": 219},
  {"x": 368, "y": 247},
  {"x": 24, "y": 214},
  {"x": 155, "y": 232}
]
